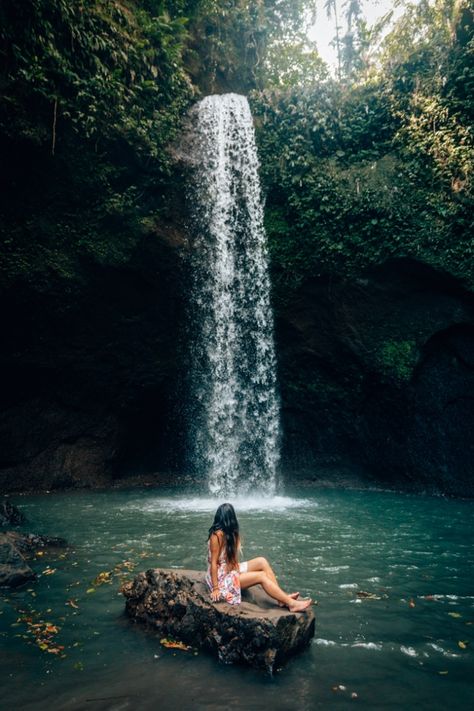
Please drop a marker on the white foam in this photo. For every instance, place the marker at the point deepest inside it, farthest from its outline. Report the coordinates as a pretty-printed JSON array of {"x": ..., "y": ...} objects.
[
  {"x": 368, "y": 645},
  {"x": 325, "y": 642},
  {"x": 409, "y": 651},
  {"x": 240, "y": 503},
  {"x": 442, "y": 651},
  {"x": 349, "y": 586}
]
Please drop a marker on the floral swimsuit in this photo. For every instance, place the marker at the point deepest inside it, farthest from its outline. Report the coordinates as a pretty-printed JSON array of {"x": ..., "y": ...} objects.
[{"x": 228, "y": 581}]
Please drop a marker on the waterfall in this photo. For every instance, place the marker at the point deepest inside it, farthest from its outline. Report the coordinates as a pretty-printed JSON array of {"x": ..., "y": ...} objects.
[{"x": 235, "y": 430}]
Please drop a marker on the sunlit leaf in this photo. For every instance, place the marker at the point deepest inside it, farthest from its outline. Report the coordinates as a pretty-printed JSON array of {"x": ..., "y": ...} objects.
[{"x": 172, "y": 644}]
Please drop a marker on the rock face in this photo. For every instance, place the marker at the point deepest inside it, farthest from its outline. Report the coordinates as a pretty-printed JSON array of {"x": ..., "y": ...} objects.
[
  {"x": 256, "y": 632},
  {"x": 377, "y": 380},
  {"x": 89, "y": 394},
  {"x": 376, "y": 375},
  {"x": 15, "y": 548}
]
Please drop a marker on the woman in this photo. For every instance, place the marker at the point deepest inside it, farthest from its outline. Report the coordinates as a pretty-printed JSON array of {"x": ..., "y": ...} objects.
[{"x": 226, "y": 578}]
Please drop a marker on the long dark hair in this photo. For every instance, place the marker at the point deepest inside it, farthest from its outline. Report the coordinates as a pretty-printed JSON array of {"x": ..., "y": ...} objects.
[{"x": 225, "y": 520}]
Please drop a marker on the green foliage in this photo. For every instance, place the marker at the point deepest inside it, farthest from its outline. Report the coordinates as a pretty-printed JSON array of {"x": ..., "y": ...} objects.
[
  {"x": 355, "y": 171},
  {"x": 358, "y": 173},
  {"x": 397, "y": 359},
  {"x": 109, "y": 70}
]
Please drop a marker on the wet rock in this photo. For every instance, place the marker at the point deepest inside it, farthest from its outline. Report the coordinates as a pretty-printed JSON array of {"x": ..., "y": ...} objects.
[
  {"x": 28, "y": 543},
  {"x": 14, "y": 570},
  {"x": 15, "y": 548},
  {"x": 10, "y": 515},
  {"x": 256, "y": 632}
]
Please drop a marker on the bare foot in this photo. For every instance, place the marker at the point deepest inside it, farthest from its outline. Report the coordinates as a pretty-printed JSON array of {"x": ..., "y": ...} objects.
[
  {"x": 299, "y": 605},
  {"x": 294, "y": 595}
]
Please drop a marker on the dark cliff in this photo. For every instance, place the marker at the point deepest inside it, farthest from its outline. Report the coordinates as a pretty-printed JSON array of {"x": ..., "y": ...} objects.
[{"x": 376, "y": 377}]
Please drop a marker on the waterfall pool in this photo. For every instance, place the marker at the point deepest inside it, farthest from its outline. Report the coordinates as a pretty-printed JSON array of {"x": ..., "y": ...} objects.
[{"x": 407, "y": 645}]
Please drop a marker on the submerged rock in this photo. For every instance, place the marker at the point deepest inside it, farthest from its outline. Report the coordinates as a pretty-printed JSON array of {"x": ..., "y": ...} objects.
[{"x": 256, "y": 632}]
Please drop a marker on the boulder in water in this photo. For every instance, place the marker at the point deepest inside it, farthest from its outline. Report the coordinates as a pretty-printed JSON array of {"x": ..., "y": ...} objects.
[
  {"x": 256, "y": 632},
  {"x": 14, "y": 570},
  {"x": 10, "y": 515},
  {"x": 15, "y": 547}
]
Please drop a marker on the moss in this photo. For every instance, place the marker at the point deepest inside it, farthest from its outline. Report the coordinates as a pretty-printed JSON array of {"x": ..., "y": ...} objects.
[{"x": 398, "y": 359}]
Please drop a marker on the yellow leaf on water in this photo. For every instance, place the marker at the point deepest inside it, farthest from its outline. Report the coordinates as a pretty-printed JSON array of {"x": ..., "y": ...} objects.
[
  {"x": 454, "y": 614},
  {"x": 171, "y": 644},
  {"x": 90, "y": 590},
  {"x": 462, "y": 644}
]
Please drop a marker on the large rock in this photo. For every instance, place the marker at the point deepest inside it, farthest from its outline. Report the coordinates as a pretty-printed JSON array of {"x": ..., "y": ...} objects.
[{"x": 256, "y": 632}]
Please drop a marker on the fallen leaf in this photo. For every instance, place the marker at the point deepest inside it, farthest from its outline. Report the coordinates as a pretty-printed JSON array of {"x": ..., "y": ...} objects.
[
  {"x": 90, "y": 590},
  {"x": 411, "y": 603},
  {"x": 463, "y": 644},
  {"x": 102, "y": 578},
  {"x": 454, "y": 614},
  {"x": 443, "y": 672},
  {"x": 72, "y": 603},
  {"x": 49, "y": 571},
  {"x": 171, "y": 644}
]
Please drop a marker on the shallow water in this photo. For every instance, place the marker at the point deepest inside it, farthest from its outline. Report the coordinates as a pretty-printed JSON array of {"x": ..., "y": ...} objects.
[{"x": 401, "y": 650}]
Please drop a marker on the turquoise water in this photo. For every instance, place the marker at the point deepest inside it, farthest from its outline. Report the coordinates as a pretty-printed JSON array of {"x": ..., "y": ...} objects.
[{"x": 398, "y": 649}]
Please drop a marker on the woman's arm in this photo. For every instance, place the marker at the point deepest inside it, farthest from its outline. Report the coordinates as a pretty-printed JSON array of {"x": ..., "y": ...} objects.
[{"x": 215, "y": 546}]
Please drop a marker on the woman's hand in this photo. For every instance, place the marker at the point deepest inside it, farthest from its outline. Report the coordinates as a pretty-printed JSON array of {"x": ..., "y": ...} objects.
[{"x": 215, "y": 595}]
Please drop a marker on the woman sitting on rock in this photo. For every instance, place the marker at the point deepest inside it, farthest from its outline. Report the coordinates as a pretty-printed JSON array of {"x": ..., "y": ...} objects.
[{"x": 226, "y": 577}]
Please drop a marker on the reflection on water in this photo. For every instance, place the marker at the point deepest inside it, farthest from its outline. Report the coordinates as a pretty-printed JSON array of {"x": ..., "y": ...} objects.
[{"x": 393, "y": 575}]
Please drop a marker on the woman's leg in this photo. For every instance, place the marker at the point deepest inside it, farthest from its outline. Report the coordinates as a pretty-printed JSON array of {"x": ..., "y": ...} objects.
[
  {"x": 256, "y": 564},
  {"x": 258, "y": 577},
  {"x": 262, "y": 564}
]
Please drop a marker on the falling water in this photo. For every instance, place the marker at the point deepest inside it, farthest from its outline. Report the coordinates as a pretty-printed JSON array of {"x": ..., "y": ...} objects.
[{"x": 235, "y": 429}]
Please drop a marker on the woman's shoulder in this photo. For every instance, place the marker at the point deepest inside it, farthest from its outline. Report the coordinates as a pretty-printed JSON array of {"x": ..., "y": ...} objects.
[{"x": 219, "y": 534}]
